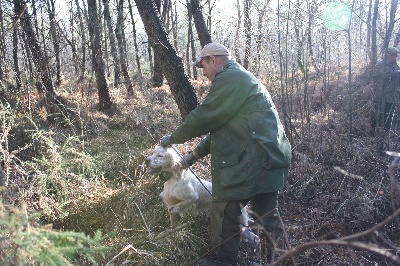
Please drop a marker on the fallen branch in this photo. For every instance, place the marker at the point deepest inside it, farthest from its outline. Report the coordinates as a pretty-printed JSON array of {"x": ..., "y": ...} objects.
[{"x": 347, "y": 241}]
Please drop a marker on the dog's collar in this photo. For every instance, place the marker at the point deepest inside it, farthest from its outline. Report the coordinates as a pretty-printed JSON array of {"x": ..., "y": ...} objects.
[{"x": 165, "y": 176}]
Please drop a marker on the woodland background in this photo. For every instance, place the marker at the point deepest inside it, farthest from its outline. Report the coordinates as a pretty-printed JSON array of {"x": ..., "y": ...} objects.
[{"x": 88, "y": 88}]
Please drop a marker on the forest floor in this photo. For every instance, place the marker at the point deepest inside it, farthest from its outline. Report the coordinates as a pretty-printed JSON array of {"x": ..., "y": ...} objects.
[{"x": 338, "y": 184}]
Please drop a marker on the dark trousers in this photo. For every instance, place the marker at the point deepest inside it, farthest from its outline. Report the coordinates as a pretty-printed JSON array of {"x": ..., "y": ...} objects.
[
  {"x": 382, "y": 115},
  {"x": 262, "y": 208}
]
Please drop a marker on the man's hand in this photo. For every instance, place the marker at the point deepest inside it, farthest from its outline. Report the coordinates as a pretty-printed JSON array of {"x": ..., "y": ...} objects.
[
  {"x": 166, "y": 141},
  {"x": 188, "y": 160}
]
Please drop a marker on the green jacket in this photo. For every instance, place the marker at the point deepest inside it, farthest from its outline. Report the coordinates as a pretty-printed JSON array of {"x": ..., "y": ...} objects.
[{"x": 250, "y": 153}]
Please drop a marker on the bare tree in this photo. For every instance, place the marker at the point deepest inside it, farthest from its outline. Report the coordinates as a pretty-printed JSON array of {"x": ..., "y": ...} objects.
[
  {"x": 390, "y": 27},
  {"x": 201, "y": 27},
  {"x": 2, "y": 42},
  {"x": 171, "y": 64},
  {"x": 248, "y": 30},
  {"x": 40, "y": 59},
  {"x": 260, "y": 34},
  {"x": 113, "y": 45},
  {"x": 374, "y": 48},
  {"x": 190, "y": 47},
  {"x": 94, "y": 31},
  {"x": 158, "y": 76},
  {"x": 83, "y": 38},
  {"x": 119, "y": 32},
  {"x": 139, "y": 68},
  {"x": 17, "y": 72},
  {"x": 237, "y": 32},
  {"x": 56, "y": 42}
]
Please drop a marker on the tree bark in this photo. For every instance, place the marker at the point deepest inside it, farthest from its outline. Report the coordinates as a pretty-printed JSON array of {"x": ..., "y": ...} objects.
[
  {"x": 247, "y": 27},
  {"x": 158, "y": 76},
  {"x": 2, "y": 42},
  {"x": 389, "y": 30},
  {"x": 139, "y": 68},
  {"x": 171, "y": 64},
  {"x": 190, "y": 49},
  {"x": 72, "y": 42},
  {"x": 237, "y": 34},
  {"x": 114, "y": 51},
  {"x": 94, "y": 31},
  {"x": 83, "y": 38},
  {"x": 260, "y": 34},
  {"x": 40, "y": 59},
  {"x": 199, "y": 23},
  {"x": 15, "y": 58},
  {"x": 369, "y": 30},
  {"x": 121, "y": 47},
  {"x": 374, "y": 49},
  {"x": 56, "y": 41}
]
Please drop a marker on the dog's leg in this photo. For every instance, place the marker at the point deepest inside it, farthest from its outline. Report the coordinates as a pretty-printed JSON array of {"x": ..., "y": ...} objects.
[
  {"x": 183, "y": 206},
  {"x": 174, "y": 219}
]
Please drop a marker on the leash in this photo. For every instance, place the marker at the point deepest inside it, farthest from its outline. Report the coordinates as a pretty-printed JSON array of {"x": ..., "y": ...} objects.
[
  {"x": 191, "y": 170},
  {"x": 180, "y": 155}
]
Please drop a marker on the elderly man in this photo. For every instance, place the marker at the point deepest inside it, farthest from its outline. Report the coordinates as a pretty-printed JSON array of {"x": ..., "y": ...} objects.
[
  {"x": 386, "y": 77},
  {"x": 250, "y": 153}
]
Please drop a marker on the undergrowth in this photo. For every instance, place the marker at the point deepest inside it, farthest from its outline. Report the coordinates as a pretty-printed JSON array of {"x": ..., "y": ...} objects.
[{"x": 90, "y": 188}]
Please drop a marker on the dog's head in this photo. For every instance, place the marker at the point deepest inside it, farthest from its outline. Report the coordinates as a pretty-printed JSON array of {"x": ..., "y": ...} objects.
[{"x": 162, "y": 160}]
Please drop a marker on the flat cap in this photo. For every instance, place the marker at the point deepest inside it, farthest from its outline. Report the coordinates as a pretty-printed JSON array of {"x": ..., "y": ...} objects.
[{"x": 211, "y": 49}]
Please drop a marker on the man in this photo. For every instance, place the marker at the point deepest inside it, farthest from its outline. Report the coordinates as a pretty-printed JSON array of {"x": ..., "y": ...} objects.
[
  {"x": 386, "y": 75},
  {"x": 250, "y": 153}
]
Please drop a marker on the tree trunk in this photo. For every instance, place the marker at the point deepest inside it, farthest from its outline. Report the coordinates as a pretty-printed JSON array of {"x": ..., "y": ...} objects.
[
  {"x": 247, "y": 28},
  {"x": 374, "y": 49},
  {"x": 94, "y": 31},
  {"x": 199, "y": 23},
  {"x": 114, "y": 51},
  {"x": 121, "y": 47},
  {"x": 237, "y": 34},
  {"x": 139, "y": 68},
  {"x": 35, "y": 20},
  {"x": 369, "y": 30},
  {"x": 83, "y": 38},
  {"x": 40, "y": 59},
  {"x": 171, "y": 64},
  {"x": 190, "y": 50},
  {"x": 56, "y": 41},
  {"x": 2, "y": 42},
  {"x": 158, "y": 76},
  {"x": 55, "y": 108},
  {"x": 15, "y": 58},
  {"x": 260, "y": 34},
  {"x": 72, "y": 42},
  {"x": 389, "y": 30}
]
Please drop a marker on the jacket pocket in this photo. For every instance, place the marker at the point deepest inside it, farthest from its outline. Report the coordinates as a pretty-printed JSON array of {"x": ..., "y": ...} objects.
[{"x": 233, "y": 169}]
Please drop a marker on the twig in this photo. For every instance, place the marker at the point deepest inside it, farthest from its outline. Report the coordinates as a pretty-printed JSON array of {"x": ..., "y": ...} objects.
[
  {"x": 127, "y": 247},
  {"x": 345, "y": 241},
  {"x": 144, "y": 221},
  {"x": 170, "y": 231},
  {"x": 337, "y": 242}
]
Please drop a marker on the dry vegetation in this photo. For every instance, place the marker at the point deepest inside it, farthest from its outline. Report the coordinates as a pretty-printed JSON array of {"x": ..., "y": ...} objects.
[{"x": 89, "y": 176}]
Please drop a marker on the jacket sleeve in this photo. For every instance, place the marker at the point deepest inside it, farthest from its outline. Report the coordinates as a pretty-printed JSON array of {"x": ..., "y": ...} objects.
[
  {"x": 203, "y": 148},
  {"x": 226, "y": 96}
]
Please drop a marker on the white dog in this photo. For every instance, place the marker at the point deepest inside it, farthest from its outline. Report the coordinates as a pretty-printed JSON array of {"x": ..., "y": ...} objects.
[{"x": 183, "y": 192}]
